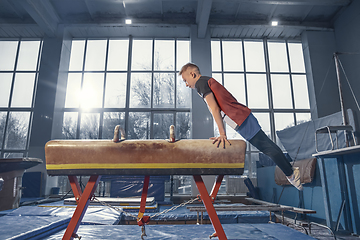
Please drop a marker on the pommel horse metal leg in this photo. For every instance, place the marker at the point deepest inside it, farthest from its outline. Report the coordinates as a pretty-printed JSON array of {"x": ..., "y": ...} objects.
[
  {"x": 141, "y": 219},
  {"x": 216, "y": 187},
  {"x": 208, "y": 202},
  {"x": 82, "y": 200}
]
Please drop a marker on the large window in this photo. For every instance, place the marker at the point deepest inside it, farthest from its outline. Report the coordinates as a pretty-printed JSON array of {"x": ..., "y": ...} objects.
[
  {"x": 19, "y": 64},
  {"x": 131, "y": 82},
  {"x": 267, "y": 76}
]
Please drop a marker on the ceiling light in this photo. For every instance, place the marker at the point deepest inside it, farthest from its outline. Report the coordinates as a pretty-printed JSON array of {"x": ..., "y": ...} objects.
[
  {"x": 274, "y": 23},
  {"x": 128, "y": 21}
]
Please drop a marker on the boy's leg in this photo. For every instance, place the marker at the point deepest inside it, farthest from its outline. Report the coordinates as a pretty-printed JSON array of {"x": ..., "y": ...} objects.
[{"x": 269, "y": 148}]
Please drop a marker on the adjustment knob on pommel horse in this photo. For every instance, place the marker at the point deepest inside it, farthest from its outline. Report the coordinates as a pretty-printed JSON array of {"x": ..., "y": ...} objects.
[{"x": 147, "y": 157}]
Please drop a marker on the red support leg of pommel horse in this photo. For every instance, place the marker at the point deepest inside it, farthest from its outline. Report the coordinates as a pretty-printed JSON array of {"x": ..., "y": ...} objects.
[
  {"x": 82, "y": 200},
  {"x": 208, "y": 202},
  {"x": 141, "y": 219}
]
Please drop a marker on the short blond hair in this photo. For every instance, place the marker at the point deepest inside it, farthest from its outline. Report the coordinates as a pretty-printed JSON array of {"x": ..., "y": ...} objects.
[{"x": 189, "y": 65}]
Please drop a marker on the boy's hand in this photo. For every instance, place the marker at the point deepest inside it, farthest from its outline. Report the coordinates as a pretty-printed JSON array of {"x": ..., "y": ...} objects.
[{"x": 221, "y": 138}]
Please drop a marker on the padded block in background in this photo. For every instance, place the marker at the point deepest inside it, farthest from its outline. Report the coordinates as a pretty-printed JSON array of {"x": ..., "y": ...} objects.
[
  {"x": 10, "y": 194},
  {"x": 307, "y": 172}
]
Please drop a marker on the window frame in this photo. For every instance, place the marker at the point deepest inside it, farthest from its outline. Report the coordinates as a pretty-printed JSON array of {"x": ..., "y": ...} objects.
[
  {"x": 6, "y": 152},
  {"x": 127, "y": 109},
  {"x": 271, "y": 111}
]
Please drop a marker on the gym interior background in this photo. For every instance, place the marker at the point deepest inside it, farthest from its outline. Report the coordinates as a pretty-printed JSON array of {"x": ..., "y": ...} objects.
[{"x": 76, "y": 69}]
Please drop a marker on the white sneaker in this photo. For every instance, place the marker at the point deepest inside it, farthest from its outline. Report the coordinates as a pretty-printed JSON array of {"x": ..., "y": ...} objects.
[{"x": 294, "y": 179}]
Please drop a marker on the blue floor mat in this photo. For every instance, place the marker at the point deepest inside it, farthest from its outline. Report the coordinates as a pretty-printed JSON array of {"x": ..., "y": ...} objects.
[
  {"x": 196, "y": 232},
  {"x": 184, "y": 214},
  {"x": 49, "y": 221},
  {"x": 33, "y": 222}
]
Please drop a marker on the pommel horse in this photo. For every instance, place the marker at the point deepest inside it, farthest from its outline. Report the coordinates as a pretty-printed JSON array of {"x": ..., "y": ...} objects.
[{"x": 142, "y": 157}]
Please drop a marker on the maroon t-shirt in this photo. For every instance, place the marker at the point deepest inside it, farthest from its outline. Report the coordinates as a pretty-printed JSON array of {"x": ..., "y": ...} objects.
[{"x": 236, "y": 111}]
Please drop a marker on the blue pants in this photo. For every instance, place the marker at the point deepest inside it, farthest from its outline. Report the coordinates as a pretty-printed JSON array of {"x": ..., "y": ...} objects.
[{"x": 269, "y": 148}]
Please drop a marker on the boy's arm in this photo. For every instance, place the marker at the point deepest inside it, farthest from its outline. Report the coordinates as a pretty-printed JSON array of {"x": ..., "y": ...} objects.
[{"x": 215, "y": 111}]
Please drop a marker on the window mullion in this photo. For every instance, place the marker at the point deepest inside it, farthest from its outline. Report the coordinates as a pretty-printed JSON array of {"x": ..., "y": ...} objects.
[
  {"x": 245, "y": 77},
  {"x": 36, "y": 75},
  {"x": 151, "y": 125},
  {"x": 128, "y": 85},
  {"x": 222, "y": 63},
  {"x": 152, "y": 90},
  {"x": 81, "y": 89},
  {"x": 268, "y": 80},
  {"x": 101, "y": 120},
  {"x": 291, "y": 82},
  {"x": 175, "y": 73}
]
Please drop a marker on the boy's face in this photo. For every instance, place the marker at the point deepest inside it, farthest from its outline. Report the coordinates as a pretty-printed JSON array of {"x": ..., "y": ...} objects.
[{"x": 189, "y": 77}]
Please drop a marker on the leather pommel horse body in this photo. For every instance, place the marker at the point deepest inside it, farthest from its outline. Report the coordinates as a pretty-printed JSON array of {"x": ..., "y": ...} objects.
[{"x": 142, "y": 157}]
